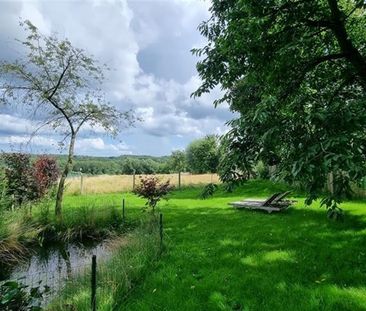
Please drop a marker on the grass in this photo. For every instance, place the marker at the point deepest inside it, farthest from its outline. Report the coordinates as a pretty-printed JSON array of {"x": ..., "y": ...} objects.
[
  {"x": 16, "y": 233},
  {"x": 119, "y": 275},
  {"x": 218, "y": 258},
  {"x": 122, "y": 183},
  {"x": 84, "y": 218}
]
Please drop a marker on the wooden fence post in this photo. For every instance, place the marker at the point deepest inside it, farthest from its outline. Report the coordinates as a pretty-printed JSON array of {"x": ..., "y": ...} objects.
[
  {"x": 123, "y": 210},
  {"x": 161, "y": 232},
  {"x": 179, "y": 180},
  {"x": 94, "y": 283},
  {"x": 81, "y": 181},
  {"x": 133, "y": 180}
]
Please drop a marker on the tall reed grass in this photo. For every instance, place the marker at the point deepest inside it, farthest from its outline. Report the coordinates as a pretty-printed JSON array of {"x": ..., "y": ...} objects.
[
  {"x": 16, "y": 233},
  {"x": 24, "y": 228}
]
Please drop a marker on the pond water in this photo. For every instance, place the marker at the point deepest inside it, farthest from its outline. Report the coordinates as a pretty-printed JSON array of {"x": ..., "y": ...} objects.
[{"x": 53, "y": 265}]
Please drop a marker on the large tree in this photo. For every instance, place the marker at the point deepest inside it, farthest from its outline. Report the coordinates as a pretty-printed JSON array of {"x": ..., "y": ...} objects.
[
  {"x": 61, "y": 84},
  {"x": 295, "y": 72},
  {"x": 202, "y": 155},
  {"x": 177, "y": 161}
]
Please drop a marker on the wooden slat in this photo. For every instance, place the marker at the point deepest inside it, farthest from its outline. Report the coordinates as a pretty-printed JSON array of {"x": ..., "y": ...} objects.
[{"x": 250, "y": 205}]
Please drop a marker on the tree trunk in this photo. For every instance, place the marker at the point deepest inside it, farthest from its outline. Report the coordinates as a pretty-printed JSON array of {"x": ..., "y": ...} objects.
[
  {"x": 345, "y": 43},
  {"x": 61, "y": 185},
  {"x": 331, "y": 183}
]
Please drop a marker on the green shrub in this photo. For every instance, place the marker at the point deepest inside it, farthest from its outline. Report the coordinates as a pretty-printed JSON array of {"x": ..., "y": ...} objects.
[
  {"x": 15, "y": 296},
  {"x": 261, "y": 170},
  {"x": 5, "y": 202},
  {"x": 208, "y": 191}
]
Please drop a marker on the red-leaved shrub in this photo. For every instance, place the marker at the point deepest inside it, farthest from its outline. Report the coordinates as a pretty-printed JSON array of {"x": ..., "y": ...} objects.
[
  {"x": 151, "y": 189},
  {"x": 27, "y": 181},
  {"x": 46, "y": 173}
]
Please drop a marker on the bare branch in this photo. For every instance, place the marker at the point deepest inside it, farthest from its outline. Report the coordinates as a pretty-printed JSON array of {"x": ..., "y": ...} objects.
[{"x": 55, "y": 88}]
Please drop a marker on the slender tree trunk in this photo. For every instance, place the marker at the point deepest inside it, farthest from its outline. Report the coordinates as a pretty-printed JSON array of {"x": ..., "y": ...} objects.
[{"x": 61, "y": 185}]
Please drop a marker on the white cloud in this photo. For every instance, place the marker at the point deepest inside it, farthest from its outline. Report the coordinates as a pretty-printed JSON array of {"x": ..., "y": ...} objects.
[
  {"x": 26, "y": 139},
  {"x": 13, "y": 124},
  {"x": 84, "y": 145},
  {"x": 119, "y": 32}
]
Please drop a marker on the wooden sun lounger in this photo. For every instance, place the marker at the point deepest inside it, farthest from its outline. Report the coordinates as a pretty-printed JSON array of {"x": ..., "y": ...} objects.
[{"x": 275, "y": 203}]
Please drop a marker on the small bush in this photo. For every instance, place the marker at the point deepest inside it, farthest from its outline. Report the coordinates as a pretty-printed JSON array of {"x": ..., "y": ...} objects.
[
  {"x": 45, "y": 174},
  {"x": 5, "y": 202},
  {"x": 229, "y": 187},
  {"x": 17, "y": 297},
  {"x": 261, "y": 171},
  {"x": 19, "y": 177},
  {"x": 151, "y": 189},
  {"x": 208, "y": 191},
  {"x": 22, "y": 181}
]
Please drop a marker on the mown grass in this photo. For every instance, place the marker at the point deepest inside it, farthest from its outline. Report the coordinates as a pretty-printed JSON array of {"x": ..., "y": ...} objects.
[{"x": 218, "y": 258}]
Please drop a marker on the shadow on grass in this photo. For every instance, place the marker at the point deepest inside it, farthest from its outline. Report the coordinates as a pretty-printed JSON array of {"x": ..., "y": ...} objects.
[
  {"x": 225, "y": 259},
  {"x": 251, "y": 188}
]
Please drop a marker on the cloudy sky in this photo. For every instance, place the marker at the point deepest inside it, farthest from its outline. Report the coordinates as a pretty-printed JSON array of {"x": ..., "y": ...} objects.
[{"x": 147, "y": 45}]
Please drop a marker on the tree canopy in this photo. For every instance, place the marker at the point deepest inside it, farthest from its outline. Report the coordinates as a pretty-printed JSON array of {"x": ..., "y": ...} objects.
[
  {"x": 202, "y": 155},
  {"x": 295, "y": 72},
  {"x": 177, "y": 161}
]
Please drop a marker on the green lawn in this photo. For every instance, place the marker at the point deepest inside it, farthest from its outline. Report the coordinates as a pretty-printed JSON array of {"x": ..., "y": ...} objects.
[{"x": 218, "y": 258}]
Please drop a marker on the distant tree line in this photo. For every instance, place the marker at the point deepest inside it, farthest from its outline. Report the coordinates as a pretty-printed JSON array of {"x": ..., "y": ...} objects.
[
  {"x": 201, "y": 156},
  {"x": 121, "y": 165}
]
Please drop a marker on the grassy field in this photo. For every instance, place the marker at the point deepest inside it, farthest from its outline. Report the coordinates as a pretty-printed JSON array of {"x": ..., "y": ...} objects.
[
  {"x": 218, "y": 258},
  {"x": 122, "y": 183}
]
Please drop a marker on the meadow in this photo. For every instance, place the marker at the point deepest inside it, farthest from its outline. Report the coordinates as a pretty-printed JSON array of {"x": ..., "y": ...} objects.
[
  {"x": 219, "y": 258},
  {"x": 119, "y": 183}
]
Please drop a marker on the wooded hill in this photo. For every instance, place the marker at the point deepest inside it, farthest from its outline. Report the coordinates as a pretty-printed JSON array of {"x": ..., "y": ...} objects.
[{"x": 124, "y": 164}]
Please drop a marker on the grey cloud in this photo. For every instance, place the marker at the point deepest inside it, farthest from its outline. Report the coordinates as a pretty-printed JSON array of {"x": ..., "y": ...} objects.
[
  {"x": 168, "y": 56},
  {"x": 146, "y": 43}
]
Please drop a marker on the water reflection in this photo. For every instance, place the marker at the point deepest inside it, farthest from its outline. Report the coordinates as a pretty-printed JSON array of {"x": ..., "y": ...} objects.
[{"x": 53, "y": 265}]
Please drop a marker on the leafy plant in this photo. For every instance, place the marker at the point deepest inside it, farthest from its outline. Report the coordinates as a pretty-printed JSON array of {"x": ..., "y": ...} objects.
[
  {"x": 229, "y": 186},
  {"x": 46, "y": 173},
  {"x": 208, "y": 191},
  {"x": 5, "y": 201},
  {"x": 151, "y": 189},
  {"x": 19, "y": 177},
  {"x": 261, "y": 170},
  {"x": 24, "y": 181},
  {"x": 177, "y": 161},
  {"x": 15, "y": 296},
  {"x": 203, "y": 155}
]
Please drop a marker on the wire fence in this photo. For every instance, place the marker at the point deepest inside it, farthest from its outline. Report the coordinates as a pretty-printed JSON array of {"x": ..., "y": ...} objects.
[{"x": 84, "y": 184}]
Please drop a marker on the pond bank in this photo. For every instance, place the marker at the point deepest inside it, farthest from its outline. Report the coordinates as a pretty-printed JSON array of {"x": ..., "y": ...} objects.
[
  {"x": 52, "y": 265},
  {"x": 22, "y": 232}
]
